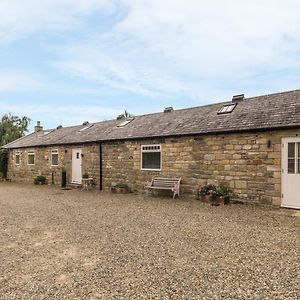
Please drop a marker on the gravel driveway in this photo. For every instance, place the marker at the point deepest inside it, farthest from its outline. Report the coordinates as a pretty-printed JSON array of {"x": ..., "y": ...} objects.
[{"x": 87, "y": 245}]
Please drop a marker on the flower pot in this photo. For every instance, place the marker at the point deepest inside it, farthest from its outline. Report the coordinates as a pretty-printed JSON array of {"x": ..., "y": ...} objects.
[{"x": 206, "y": 198}]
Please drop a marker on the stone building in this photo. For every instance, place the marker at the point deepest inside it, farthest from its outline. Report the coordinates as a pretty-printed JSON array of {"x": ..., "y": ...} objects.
[{"x": 251, "y": 145}]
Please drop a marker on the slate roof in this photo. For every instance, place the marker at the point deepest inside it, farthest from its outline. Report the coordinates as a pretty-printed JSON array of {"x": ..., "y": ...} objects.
[{"x": 274, "y": 111}]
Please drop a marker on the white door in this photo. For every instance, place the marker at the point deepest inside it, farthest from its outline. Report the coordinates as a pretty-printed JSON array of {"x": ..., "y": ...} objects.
[
  {"x": 291, "y": 172},
  {"x": 76, "y": 166}
]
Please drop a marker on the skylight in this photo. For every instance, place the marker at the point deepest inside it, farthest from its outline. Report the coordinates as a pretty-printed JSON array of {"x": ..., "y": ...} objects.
[
  {"x": 85, "y": 128},
  {"x": 47, "y": 132},
  {"x": 125, "y": 122},
  {"x": 226, "y": 109}
]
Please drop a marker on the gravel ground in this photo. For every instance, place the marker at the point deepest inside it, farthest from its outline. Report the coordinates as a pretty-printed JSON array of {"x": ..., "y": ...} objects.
[{"x": 88, "y": 245}]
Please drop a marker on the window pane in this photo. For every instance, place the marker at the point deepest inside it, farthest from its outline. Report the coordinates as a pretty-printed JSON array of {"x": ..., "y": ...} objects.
[
  {"x": 151, "y": 160},
  {"x": 17, "y": 159},
  {"x": 31, "y": 159},
  {"x": 291, "y": 166},
  {"x": 54, "y": 159},
  {"x": 291, "y": 150}
]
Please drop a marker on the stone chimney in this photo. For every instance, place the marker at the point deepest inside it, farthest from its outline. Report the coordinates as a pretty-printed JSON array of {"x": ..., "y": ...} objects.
[{"x": 38, "y": 127}]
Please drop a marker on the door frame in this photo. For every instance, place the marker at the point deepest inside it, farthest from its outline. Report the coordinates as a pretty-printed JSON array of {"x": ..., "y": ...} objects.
[
  {"x": 74, "y": 150},
  {"x": 284, "y": 171}
]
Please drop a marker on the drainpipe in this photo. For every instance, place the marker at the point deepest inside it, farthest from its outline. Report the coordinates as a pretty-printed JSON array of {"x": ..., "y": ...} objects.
[{"x": 100, "y": 165}]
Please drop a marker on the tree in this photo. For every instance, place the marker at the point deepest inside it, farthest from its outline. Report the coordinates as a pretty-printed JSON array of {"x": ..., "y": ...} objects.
[{"x": 12, "y": 128}]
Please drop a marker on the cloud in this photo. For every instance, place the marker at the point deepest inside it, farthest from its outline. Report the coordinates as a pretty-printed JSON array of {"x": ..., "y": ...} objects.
[
  {"x": 171, "y": 48},
  {"x": 191, "y": 48},
  {"x": 65, "y": 115},
  {"x": 18, "y": 80},
  {"x": 20, "y": 18}
]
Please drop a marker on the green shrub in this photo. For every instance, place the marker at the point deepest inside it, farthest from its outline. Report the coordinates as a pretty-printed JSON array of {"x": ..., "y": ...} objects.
[
  {"x": 122, "y": 186},
  {"x": 40, "y": 179},
  {"x": 223, "y": 191}
]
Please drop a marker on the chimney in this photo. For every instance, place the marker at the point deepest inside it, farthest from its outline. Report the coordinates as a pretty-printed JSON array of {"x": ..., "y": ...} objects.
[
  {"x": 238, "y": 98},
  {"x": 38, "y": 127},
  {"x": 168, "y": 109}
]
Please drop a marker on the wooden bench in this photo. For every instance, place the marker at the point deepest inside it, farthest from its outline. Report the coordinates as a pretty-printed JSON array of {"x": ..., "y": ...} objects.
[{"x": 159, "y": 183}]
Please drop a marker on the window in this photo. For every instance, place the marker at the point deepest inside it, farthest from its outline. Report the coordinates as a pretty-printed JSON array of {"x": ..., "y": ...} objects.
[
  {"x": 151, "y": 157},
  {"x": 226, "y": 109},
  {"x": 17, "y": 158},
  {"x": 125, "y": 122},
  {"x": 31, "y": 157},
  {"x": 54, "y": 157},
  {"x": 85, "y": 128},
  {"x": 293, "y": 158}
]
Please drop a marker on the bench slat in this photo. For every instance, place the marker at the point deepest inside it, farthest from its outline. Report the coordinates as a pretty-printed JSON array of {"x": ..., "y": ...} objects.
[{"x": 160, "y": 183}]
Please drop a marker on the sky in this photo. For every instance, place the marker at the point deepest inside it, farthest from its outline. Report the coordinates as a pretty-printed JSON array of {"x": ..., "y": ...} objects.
[{"x": 64, "y": 62}]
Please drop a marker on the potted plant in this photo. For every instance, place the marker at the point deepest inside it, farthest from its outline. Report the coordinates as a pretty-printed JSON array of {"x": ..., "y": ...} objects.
[
  {"x": 85, "y": 175},
  {"x": 40, "y": 179},
  {"x": 223, "y": 194},
  {"x": 215, "y": 195},
  {"x": 207, "y": 193},
  {"x": 120, "y": 188}
]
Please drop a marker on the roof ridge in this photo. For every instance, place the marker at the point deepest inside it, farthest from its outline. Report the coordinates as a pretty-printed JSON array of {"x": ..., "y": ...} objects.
[{"x": 273, "y": 94}]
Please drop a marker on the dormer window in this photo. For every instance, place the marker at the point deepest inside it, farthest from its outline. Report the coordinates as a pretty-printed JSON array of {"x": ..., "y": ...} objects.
[
  {"x": 227, "y": 109},
  {"x": 125, "y": 122}
]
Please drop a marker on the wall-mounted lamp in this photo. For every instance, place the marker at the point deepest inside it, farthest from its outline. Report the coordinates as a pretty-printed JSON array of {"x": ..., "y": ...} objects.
[{"x": 269, "y": 143}]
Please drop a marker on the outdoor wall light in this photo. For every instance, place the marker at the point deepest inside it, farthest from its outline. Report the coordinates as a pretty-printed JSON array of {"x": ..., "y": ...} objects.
[{"x": 269, "y": 143}]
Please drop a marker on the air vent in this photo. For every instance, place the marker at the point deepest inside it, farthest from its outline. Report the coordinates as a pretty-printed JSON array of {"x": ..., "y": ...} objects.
[
  {"x": 168, "y": 109},
  {"x": 120, "y": 117},
  {"x": 238, "y": 98}
]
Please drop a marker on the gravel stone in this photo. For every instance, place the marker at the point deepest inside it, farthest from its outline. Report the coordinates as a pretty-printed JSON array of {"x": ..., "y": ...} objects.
[{"x": 58, "y": 244}]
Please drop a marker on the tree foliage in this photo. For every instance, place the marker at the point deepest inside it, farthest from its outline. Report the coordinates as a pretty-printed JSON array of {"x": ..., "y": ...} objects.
[{"x": 12, "y": 128}]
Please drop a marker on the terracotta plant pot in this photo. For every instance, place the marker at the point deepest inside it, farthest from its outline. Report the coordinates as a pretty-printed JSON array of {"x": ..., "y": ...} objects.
[
  {"x": 117, "y": 190},
  {"x": 215, "y": 200}
]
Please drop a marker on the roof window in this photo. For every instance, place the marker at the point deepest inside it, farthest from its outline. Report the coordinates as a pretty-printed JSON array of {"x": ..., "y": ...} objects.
[
  {"x": 227, "y": 109},
  {"x": 125, "y": 122},
  {"x": 85, "y": 128},
  {"x": 48, "y": 131}
]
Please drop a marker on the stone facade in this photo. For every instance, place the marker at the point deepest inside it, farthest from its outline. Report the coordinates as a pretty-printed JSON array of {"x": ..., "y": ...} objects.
[
  {"x": 43, "y": 166},
  {"x": 250, "y": 163}
]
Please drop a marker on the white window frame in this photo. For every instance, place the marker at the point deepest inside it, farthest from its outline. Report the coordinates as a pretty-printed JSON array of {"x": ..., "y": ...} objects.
[
  {"x": 54, "y": 151},
  {"x": 151, "y": 150},
  {"x": 227, "y": 109},
  {"x": 18, "y": 153},
  {"x": 31, "y": 152}
]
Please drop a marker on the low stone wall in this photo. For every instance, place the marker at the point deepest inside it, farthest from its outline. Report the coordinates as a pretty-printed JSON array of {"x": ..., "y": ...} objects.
[{"x": 250, "y": 163}]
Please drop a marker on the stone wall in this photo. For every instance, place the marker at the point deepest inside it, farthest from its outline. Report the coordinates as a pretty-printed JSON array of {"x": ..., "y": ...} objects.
[
  {"x": 243, "y": 161},
  {"x": 42, "y": 166}
]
